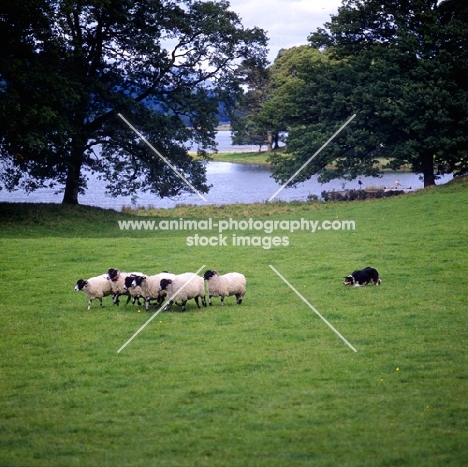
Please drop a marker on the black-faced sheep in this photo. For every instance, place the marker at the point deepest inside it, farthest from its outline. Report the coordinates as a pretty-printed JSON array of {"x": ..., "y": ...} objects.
[
  {"x": 183, "y": 287},
  {"x": 94, "y": 288},
  {"x": 117, "y": 281},
  {"x": 149, "y": 286},
  {"x": 232, "y": 283},
  {"x": 135, "y": 293}
]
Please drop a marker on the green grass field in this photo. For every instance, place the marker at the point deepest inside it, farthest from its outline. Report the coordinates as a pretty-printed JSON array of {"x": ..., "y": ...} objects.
[{"x": 267, "y": 383}]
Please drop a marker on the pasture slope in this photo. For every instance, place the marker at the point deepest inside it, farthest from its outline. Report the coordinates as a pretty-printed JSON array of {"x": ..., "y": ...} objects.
[{"x": 267, "y": 383}]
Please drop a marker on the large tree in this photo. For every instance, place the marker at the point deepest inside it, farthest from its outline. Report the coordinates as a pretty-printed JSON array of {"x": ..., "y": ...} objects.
[
  {"x": 68, "y": 68},
  {"x": 401, "y": 67}
]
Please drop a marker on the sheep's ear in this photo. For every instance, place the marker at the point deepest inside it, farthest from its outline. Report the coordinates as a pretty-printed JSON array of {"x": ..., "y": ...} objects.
[{"x": 214, "y": 271}]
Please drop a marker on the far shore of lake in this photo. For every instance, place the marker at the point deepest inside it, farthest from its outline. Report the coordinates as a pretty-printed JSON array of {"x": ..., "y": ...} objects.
[{"x": 261, "y": 158}]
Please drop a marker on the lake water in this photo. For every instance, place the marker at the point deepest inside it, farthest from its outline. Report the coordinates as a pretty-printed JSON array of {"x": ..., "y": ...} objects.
[{"x": 232, "y": 183}]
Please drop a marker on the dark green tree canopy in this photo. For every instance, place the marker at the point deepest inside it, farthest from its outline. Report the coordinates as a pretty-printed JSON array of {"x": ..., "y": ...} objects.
[
  {"x": 398, "y": 65},
  {"x": 67, "y": 68}
]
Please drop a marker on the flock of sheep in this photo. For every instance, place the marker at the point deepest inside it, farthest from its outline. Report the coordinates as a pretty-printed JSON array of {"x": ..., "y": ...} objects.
[{"x": 181, "y": 287}]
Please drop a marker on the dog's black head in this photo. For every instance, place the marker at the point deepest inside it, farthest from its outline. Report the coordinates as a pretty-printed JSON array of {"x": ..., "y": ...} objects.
[{"x": 349, "y": 280}]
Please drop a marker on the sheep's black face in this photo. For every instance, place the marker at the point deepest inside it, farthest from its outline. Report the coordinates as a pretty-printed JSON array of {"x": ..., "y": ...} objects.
[
  {"x": 112, "y": 274},
  {"x": 164, "y": 284},
  {"x": 137, "y": 280},
  {"x": 80, "y": 283},
  {"x": 128, "y": 282},
  {"x": 209, "y": 274}
]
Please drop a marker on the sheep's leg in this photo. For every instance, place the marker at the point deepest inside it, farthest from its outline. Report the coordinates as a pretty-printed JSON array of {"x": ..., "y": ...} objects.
[
  {"x": 203, "y": 300},
  {"x": 196, "y": 301},
  {"x": 128, "y": 299},
  {"x": 183, "y": 305},
  {"x": 115, "y": 299},
  {"x": 239, "y": 298},
  {"x": 168, "y": 306},
  {"x": 89, "y": 304},
  {"x": 209, "y": 300},
  {"x": 136, "y": 299},
  {"x": 100, "y": 301},
  {"x": 147, "y": 303},
  {"x": 222, "y": 301}
]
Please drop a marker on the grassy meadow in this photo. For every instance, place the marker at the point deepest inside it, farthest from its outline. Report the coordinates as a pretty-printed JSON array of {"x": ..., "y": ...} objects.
[{"x": 267, "y": 383}]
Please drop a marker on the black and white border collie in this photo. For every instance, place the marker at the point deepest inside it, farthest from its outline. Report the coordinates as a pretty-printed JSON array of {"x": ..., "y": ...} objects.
[{"x": 363, "y": 277}]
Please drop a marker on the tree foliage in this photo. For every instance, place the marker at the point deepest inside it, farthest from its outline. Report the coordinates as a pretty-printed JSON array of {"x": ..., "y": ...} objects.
[
  {"x": 398, "y": 65},
  {"x": 67, "y": 68}
]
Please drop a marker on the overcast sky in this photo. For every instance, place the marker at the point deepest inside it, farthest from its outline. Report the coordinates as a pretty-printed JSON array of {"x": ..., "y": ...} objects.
[{"x": 287, "y": 23}]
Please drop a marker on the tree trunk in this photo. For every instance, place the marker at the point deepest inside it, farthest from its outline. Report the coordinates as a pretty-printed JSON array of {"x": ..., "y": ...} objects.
[
  {"x": 72, "y": 184},
  {"x": 428, "y": 171},
  {"x": 276, "y": 141},
  {"x": 269, "y": 141},
  {"x": 70, "y": 195}
]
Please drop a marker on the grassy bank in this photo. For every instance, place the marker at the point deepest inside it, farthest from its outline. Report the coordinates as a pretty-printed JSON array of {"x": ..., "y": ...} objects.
[
  {"x": 246, "y": 157},
  {"x": 262, "y": 159},
  {"x": 264, "y": 384},
  {"x": 242, "y": 157}
]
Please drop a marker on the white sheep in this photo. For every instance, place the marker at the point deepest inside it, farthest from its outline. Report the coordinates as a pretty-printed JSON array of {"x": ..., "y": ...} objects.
[
  {"x": 183, "y": 287},
  {"x": 94, "y": 288},
  {"x": 232, "y": 283},
  {"x": 117, "y": 281},
  {"x": 149, "y": 286}
]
